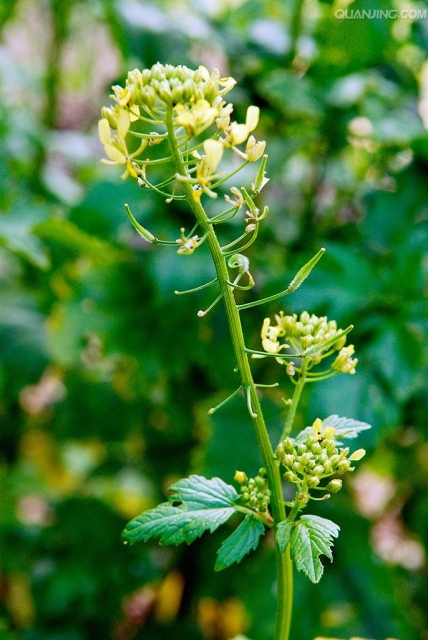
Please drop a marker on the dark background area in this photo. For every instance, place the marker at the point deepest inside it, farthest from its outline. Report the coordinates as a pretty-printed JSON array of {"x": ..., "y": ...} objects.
[{"x": 106, "y": 376}]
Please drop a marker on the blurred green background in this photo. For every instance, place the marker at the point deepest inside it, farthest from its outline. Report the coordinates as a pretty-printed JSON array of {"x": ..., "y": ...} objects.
[{"x": 106, "y": 377}]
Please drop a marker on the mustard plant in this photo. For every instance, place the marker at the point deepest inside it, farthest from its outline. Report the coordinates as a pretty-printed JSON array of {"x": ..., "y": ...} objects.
[{"x": 183, "y": 112}]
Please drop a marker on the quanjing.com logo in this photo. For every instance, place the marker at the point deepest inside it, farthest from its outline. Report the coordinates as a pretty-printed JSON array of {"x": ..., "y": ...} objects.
[{"x": 381, "y": 14}]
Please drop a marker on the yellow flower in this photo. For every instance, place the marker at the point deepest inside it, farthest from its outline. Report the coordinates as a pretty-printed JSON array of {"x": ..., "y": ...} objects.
[
  {"x": 254, "y": 150},
  {"x": 270, "y": 337},
  {"x": 238, "y": 133},
  {"x": 322, "y": 433},
  {"x": 344, "y": 363},
  {"x": 196, "y": 119},
  {"x": 115, "y": 147}
]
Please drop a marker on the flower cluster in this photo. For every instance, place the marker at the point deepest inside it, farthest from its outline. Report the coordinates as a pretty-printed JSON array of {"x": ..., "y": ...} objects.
[
  {"x": 254, "y": 491},
  {"x": 190, "y": 100},
  {"x": 309, "y": 461},
  {"x": 307, "y": 332}
]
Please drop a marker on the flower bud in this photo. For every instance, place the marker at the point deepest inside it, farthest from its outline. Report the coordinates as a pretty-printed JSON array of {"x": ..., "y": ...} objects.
[
  {"x": 289, "y": 445},
  {"x": 328, "y": 467},
  {"x": 302, "y": 448},
  {"x": 260, "y": 482},
  {"x": 318, "y": 470},
  {"x": 335, "y": 459},
  {"x": 291, "y": 477},
  {"x": 280, "y": 451},
  {"x": 305, "y": 459},
  {"x": 316, "y": 448},
  {"x": 108, "y": 114},
  {"x": 289, "y": 460},
  {"x": 312, "y": 482},
  {"x": 343, "y": 466},
  {"x": 297, "y": 467},
  {"x": 334, "y": 485},
  {"x": 240, "y": 477}
]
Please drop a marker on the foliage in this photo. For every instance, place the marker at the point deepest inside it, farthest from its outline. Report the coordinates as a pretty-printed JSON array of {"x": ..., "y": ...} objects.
[{"x": 97, "y": 414}]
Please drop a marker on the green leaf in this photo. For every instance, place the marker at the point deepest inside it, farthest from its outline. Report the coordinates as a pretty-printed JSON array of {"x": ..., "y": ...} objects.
[
  {"x": 283, "y": 534},
  {"x": 311, "y": 537},
  {"x": 345, "y": 427},
  {"x": 203, "y": 505},
  {"x": 244, "y": 539},
  {"x": 174, "y": 525},
  {"x": 197, "y": 491}
]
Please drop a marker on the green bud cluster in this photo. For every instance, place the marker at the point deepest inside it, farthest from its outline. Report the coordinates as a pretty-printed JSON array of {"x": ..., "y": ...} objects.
[
  {"x": 309, "y": 330},
  {"x": 314, "y": 459},
  {"x": 170, "y": 85},
  {"x": 254, "y": 491}
]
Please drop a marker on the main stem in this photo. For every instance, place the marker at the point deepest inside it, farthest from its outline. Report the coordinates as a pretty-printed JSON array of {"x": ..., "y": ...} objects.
[
  {"x": 295, "y": 399},
  {"x": 283, "y": 561}
]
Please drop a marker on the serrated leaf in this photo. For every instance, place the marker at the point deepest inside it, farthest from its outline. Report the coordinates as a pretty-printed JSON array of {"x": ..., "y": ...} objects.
[
  {"x": 345, "y": 428},
  {"x": 311, "y": 537},
  {"x": 197, "y": 491},
  {"x": 243, "y": 540},
  {"x": 283, "y": 534},
  {"x": 174, "y": 525},
  {"x": 195, "y": 505}
]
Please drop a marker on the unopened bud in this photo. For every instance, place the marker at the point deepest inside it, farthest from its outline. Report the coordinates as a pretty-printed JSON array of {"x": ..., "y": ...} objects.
[
  {"x": 289, "y": 460},
  {"x": 312, "y": 482},
  {"x": 334, "y": 485},
  {"x": 240, "y": 477},
  {"x": 291, "y": 477}
]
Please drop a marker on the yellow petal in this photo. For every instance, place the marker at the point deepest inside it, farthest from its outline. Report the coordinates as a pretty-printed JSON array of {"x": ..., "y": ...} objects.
[
  {"x": 252, "y": 119},
  {"x": 113, "y": 153},
  {"x": 134, "y": 113},
  {"x": 265, "y": 327},
  {"x": 329, "y": 432},
  {"x": 357, "y": 455},
  {"x": 123, "y": 123},
  {"x": 214, "y": 152},
  {"x": 204, "y": 72},
  {"x": 317, "y": 428},
  {"x": 104, "y": 130},
  {"x": 239, "y": 133}
]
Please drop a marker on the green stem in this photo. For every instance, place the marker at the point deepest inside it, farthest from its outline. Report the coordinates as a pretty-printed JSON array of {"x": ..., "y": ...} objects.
[
  {"x": 296, "y": 399},
  {"x": 283, "y": 561}
]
